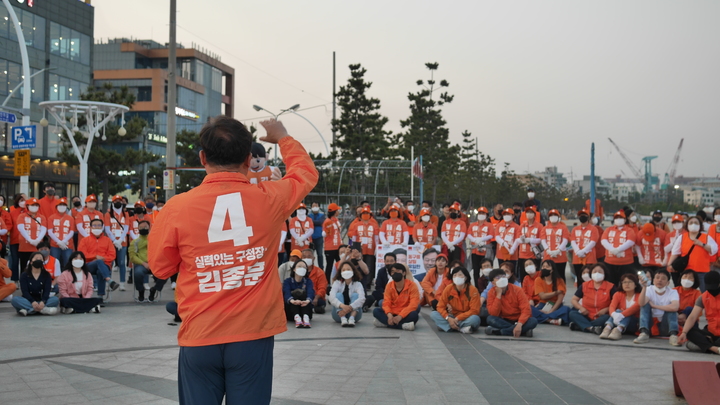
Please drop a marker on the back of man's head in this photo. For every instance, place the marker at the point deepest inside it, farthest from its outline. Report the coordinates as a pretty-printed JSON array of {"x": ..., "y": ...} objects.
[{"x": 225, "y": 141}]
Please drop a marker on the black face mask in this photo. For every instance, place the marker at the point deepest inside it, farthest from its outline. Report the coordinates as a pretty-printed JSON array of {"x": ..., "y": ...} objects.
[
  {"x": 50, "y": 192},
  {"x": 144, "y": 232},
  {"x": 37, "y": 264},
  {"x": 454, "y": 215},
  {"x": 583, "y": 218},
  {"x": 657, "y": 219},
  {"x": 77, "y": 204},
  {"x": 545, "y": 272},
  {"x": 516, "y": 210},
  {"x": 397, "y": 277},
  {"x": 117, "y": 204},
  {"x": 139, "y": 210},
  {"x": 714, "y": 292}
]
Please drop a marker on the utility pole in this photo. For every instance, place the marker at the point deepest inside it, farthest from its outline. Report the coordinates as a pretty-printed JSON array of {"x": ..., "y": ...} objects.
[
  {"x": 170, "y": 159},
  {"x": 333, "y": 103}
]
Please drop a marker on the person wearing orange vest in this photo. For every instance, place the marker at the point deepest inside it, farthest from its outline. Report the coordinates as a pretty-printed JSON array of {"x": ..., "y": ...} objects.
[
  {"x": 18, "y": 208},
  {"x": 32, "y": 226},
  {"x": 459, "y": 304},
  {"x": 453, "y": 234},
  {"x": 714, "y": 233},
  {"x": 400, "y": 302},
  {"x": 48, "y": 203},
  {"x": 222, "y": 237},
  {"x": 507, "y": 234},
  {"x": 480, "y": 233},
  {"x": 706, "y": 340},
  {"x": 435, "y": 280},
  {"x": 424, "y": 232},
  {"x": 555, "y": 237},
  {"x": 117, "y": 225},
  {"x": 530, "y": 233},
  {"x": 410, "y": 216},
  {"x": 649, "y": 247},
  {"x": 689, "y": 293},
  {"x": 7, "y": 224},
  {"x": 61, "y": 228},
  {"x": 51, "y": 264},
  {"x": 583, "y": 239},
  {"x": 678, "y": 228},
  {"x": 259, "y": 169},
  {"x": 394, "y": 231},
  {"x": 301, "y": 229},
  {"x": 83, "y": 219},
  {"x": 365, "y": 231},
  {"x": 508, "y": 308},
  {"x": 596, "y": 295},
  {"x": 333, "y": 238},
  {"x": 702, "y": 248},
  {"x": 618, "y": 241}
]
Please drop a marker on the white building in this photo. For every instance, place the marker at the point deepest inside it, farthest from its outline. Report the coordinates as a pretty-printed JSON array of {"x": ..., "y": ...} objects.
[{"x": 552, "y": 177}]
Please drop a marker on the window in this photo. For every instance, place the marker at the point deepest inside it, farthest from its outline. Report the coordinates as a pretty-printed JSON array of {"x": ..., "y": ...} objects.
[
  {"x": 33, "y": 27},
  {"x": 62, "y": 88},
  {"x": 69, "y": 44},
  {"x": 144, "y": 93},
  {"x": 216, "y": 79}
]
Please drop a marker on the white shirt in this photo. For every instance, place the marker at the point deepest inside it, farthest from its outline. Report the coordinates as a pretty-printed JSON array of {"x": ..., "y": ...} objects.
[
  {"x": 354, "y": 288},
  {"x": 78, "y": 284},
  {"x": 666, "y": 298},
  {"x": 677, "y": 246}
]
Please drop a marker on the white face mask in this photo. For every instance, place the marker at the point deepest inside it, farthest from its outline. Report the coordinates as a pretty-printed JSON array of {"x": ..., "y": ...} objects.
[
  {"x": 531, "y": 269},
  {"x": 410, "y": 208},
  {"x": 315, "y": 209},
  {"x": 687, "y": 283},
  {"x": 717, "y": 218},
  {"x": 158, "y": 208},
  {"x": 619, "y": 221},
  {"x": 660, "y": 290},
  {"x": 502, "y": 283},
  {"x": 677, "y": 226},
  {"x": 309, "y": 262},
  {"x": 78, "y": 263},
  {"x": 33, "y": 208},
  {"x": 301, "y": 271},
  {"x": 691, "y": 227},
  {"x": 598, "y": 277},
  {"x": 347, "y": 274},
  {"x": 586, "y": 277},
  {"x": 2, "y": 202},
  {"x": 531, "y": 195},
  {"x": 459, "y": 281},
  {"x": 425, "y": 218},
  {"x": 554, "y": 219},
  {"x": 301, "y": 213},
  {"x": 91, "y": 205},
  {"x": 594, "y": 221},
  {"x": 21, "y": 204},
  {"x": 482, "y": 217},
  {"x": 633, "y": 218},
  {"x": 530, "y": 215},
  {"x": 507, "y": 218},
  {"x": 62, "y": 209},
  {"x": 486, "y": 272},
  {"x": 97, "y": 232}
]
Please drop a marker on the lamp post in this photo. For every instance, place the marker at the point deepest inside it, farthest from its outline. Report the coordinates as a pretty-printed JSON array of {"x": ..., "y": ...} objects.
[
  {"x": 293, "y": 110},
  {"x": 258, "y": 108}
]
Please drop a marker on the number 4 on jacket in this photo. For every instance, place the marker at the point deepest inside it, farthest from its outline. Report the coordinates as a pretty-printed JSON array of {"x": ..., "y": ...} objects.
[{"x": 229, "y": 206}]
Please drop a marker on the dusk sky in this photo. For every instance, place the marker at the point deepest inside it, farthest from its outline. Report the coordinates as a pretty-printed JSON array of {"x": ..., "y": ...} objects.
[{"x": 536, "y": 82}]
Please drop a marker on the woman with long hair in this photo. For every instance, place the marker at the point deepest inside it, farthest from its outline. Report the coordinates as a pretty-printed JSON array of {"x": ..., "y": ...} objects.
[
  {"x": 35, "y": 284},
  {"x": 76, "y": 287},
  {"x": 347, "y": 295}
]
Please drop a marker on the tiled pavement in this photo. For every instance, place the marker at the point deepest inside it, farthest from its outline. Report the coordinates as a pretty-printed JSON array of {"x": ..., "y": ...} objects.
[{"x": 128, "y": 355}]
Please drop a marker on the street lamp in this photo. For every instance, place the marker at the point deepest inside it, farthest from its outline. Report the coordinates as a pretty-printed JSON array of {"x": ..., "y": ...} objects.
[
  {"x": 258, "y": 108},
  {"x": 293, "y": 110}
]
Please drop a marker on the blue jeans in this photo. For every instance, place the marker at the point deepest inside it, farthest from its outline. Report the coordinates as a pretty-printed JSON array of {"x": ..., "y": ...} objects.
[
  {"x": 472, "y": 321},
  {"x": 629, "y": 324},
  {"x": 63, "y": 256},
  {"x": 242, "y": 372},
  {"x": 318, "y": 244},
  {"x": 381, "y": 316},
  {"x": 15, "y": 261},
  {"x": 701, "y": 278},
  {"x": 668, "y": 324},
  {"x": 19, "y": 303},
  {"x": 506, "y": 326},
  {"x": 560, "y": 313},
  {"x": 99, "y": 268},
  {"x": 140, "y": 275},
  {"x": 121, "y": 255},
  {"x": 583, "y": 322},
  {"x": 335, "y": 311}
]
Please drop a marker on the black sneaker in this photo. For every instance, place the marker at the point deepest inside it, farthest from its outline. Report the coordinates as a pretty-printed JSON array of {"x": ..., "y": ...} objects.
[
  {"x": 528, "y": 333},
  {"x": 177, "y": 318},
  {"x": 573, "y": 326},
  {"x": 141, "y": 296},
  {"x": 151, "y": 297},
  {"x": 113, "y": 285},
  {"x": 318, "y": 310},
  {"x": 597, "y": 330},
  {"x": 492, "y": 331}
]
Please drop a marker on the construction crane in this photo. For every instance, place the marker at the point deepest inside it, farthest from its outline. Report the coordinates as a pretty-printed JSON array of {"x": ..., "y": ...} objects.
[
  {"x": 672, "y": 169},
  {"x": 646, "y": 178}
]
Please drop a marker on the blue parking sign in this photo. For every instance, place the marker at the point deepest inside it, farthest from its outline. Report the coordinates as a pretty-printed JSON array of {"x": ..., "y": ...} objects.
[{"x": 24, "y": 137}]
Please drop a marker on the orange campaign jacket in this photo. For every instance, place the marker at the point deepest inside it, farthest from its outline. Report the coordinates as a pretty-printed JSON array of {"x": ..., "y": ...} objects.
[
  {"x": 117, "y": 222},
  {"x": 7, "y": 221},
  {"x": 653, "y": 252},
  {"x": 400, "y": 303},
  {"x": 514, "y": 305},
  {"x": 595, "y": 300},
  {"x": 619, "y": 301},
  {"x": 453, "y": 228},
  {"x": 62, "y": 225},
  {"x": 508, "y": 233},
  {"x": 15, "y": 234},
  {"x": 47, "y": 206},
  {"x": 333, "y": 238},
  {"x": 85, "y": 217},
  {"x": 222, "y": 239},
  {"x": 429, "y": 281},
  {"x": 365, "y": 232},
  {"x": 599, "y": 248},
  {"x": 553, "y": 234},
  {"x": 529, "y": 231},
  {"x": 528, "y": 286},
  {"x": 301, "y": 227},
  {"x": 687, "y": 297},
  {"x": 480, "y": 230},
  {"x": 541, "y": 286},
  {"x": 616, "y": 237},
  {"x": 32, "y": 227},
  {"x": 712, "y": 312},
  {"x": 425, "y": 234},
  {"x": 582, "y": 236},
  {"x": 465, "y": 303},
  {"x": 393, "y": 230},
  {"x": 93, "y": 247},
  {"x": 317, "y": 276}
]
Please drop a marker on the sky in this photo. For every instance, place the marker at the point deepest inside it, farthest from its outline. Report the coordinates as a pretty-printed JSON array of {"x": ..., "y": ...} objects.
[{"x": 535, "y": 81}]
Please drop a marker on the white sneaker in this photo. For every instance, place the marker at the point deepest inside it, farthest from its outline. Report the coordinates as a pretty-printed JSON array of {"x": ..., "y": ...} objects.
[
  {"x": 7, "y": 299},
  {"x": 466, "y": 329},
  {"x": 69, "y": 311},
  {"x": 351, "y": 321},
  {"x": 379, "y": 324},
  {"x": 343, "y": 321},
  {"x": 22, "y": 312},
  {"x": 674, "y": 340},
  {"x": 96, "y": 309},
  {"x": 147, "y": 286},
  {"x": 408, "y": 326},
  {"x": 173, "y": 285},
  {"x": 122, "y": 287},
  {"x": 49, "y": 311},
  {"x": 643, "y": 338}
]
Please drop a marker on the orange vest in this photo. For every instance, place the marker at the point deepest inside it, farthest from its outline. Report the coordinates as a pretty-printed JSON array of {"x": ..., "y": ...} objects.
[
  {"x": 424, "y": 234},
  {"x": 712, "y": 312},
  {"x": 32, "y": 227},
  {"x": 365, "y": 232},
  {"x": 553, "y": 235},
  {"x": 50, "y": 266},
  {"x": 453, "y": 228},
  {"x": 62, "y": 225},
  {"x": 699, "y": 258},
  {"x": 301, "y": 227},
  {"x": 713, "y": 233},
  {"x": 333, "y": 238},
  {"x": 480, "y": 230},
  {"x": 652, "y": 251},
  {"x": 582, "y": 236},
  {"x": 687, "y": 297},
  {"x": 595, "y": 300},
  {"x": 616, "y": 237},
  {"x": 508, "y": 233},
  {"x": 529, "y": 231},
  {"x": 394, "y": 230}
]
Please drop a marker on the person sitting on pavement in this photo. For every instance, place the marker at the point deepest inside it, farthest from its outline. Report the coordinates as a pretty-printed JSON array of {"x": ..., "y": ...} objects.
[
  {"x": 298, "y": 293},
  {"x": 284, "y": 269},
  {"x": 400, "y": 303},
  {"x": 459, "y": 304},
  {"x": 624, "y": 309},
  {"x": 99, "y": 254},
  {"x": 596, "y": 295},
  {"x": 486, "y": 266},
  {"x": 317, "y": 275},
  {"x": 50, "y": 264},
  {"x": 6, "y": 289},
  {"x": 141, "y": 268},
  {"x": 551, "y": 291},
  {"x": 706, "y": 340},
  {"x": 436, "y": 280},
  {"x": 381, "y": 279},
  {"x": 35, "y": 285},
  {"x": 509, "y": 308},
  {"x": 528, "y": 283},
  {"x": 659, "y": 303},
  {"x": 507, "y": 268},
  {"x": 347, "y": 295},
  {"x": 689, "y": 293},
  {"x": 76, "y": 287}
]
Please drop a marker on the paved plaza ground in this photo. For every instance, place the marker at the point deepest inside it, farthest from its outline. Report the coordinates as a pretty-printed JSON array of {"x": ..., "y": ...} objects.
[{"x": 128, "y": 355}]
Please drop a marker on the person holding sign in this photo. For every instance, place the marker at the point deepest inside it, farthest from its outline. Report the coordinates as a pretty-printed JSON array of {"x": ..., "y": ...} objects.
[
  {"x": 453, "y": 235},
  {"x": 394, "y": 231}
]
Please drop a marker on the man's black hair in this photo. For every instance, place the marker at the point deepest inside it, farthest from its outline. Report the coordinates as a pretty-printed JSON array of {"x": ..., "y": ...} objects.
[
  {"x": 225, "y": 141},
  {"x": 390, "y": 254},
  {"x": 429, "y": 203}
]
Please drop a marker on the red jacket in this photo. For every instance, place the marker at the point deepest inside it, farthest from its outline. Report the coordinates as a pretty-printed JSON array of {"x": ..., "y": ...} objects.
[
  {"x": 619, "y": 301},
  {"x": 595, "y": 300},
  {"x": 403, "y": 302},
  {"x": 514, "y": 304},
  {"x": 93, "y": 247}
]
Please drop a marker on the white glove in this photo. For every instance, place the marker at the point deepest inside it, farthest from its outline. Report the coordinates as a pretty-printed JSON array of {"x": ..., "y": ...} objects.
[
  {"x": 118, "y": 244},
  {"x": 34, "y": 242},
  {"x": 580, "y": 253},
  {"x": 617, "y": 317},
  {"x": 298, "y": 241},
  {"x": 614, "y": 252},
  {"x": 450, "y": 247},
  {"x": 62, "y": 245},
  {"x": 554, "y": 253},
  {"x": 324, "y": 234}
]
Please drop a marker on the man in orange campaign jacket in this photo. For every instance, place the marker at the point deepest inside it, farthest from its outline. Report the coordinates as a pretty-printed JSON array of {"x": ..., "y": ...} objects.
[
  {"x": 99, "y": 254},
  {"x": 453, "y": 234},
  {"x": 400, "y": 302},
  {"x": 583, "y": 239},
  {"x": 394, "y": 231},
  {"x": 618, "y": 241},
  {"x": 222, "y": 239},
  {"x": 649, "y": 247},
  {"x": 509, "y": 308},
  {"x": 48, "y": 203}
]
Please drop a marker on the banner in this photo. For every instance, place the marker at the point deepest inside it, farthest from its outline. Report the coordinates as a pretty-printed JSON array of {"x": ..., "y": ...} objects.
[{"x": 409, "y": 255}]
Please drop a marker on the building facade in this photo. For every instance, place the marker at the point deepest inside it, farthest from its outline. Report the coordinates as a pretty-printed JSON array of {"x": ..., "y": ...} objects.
[{"x": 58, "y": 35}]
